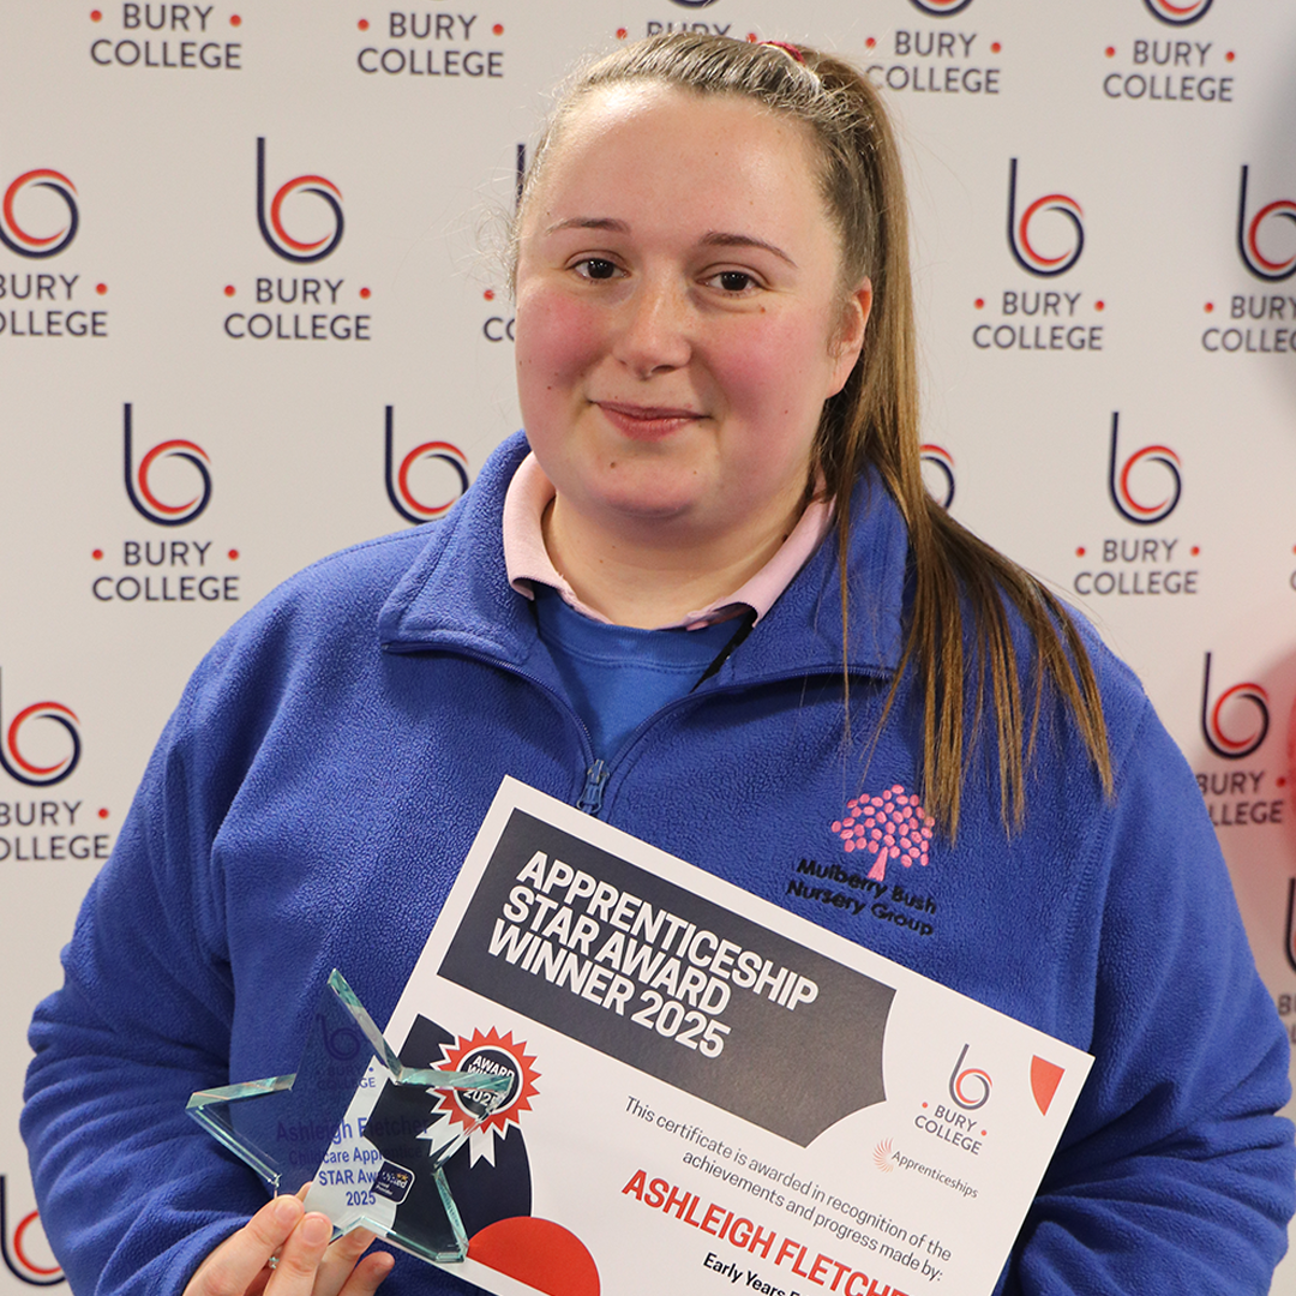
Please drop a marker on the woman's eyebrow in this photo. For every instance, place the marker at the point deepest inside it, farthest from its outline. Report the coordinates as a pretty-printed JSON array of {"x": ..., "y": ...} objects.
[
  {"x": 720, "y": 238},
  {"x": 591, "y": 222},
  {"x": 713, "y": 238}
]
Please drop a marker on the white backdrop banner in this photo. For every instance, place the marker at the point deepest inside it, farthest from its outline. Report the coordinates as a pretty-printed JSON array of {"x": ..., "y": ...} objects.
[{"x": 252, "y": 310}]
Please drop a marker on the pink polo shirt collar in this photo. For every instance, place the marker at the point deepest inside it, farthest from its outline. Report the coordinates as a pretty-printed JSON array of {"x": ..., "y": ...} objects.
[{"x": 526, "y": 559}]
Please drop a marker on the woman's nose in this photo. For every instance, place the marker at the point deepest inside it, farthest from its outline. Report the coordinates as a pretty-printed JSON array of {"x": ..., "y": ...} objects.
[{"x": 654, "y": 333}]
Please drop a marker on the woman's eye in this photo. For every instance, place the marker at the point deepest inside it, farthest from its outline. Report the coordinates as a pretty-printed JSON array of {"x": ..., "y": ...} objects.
[
  {"x": 596, "y": 268},
  {"x": 734, "y": 281}
]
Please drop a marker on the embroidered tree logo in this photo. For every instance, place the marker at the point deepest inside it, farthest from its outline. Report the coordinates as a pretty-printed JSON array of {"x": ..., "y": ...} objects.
[{"x": 892, "y": 826}]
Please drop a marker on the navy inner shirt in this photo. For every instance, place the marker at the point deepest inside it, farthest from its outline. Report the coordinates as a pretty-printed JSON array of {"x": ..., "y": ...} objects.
[{"x": 617, "y": 676}]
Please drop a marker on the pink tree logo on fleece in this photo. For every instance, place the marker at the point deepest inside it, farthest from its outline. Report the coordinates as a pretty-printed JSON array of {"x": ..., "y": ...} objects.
[{"x": 893, "y": 826}]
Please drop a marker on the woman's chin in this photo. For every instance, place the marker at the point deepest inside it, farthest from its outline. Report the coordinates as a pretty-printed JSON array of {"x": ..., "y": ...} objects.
[
  {"x": 642, "y": 494},
  {"x": 647, "y": 510}
]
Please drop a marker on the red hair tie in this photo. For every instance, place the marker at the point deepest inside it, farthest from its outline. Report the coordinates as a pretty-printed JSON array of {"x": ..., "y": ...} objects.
[{"x": 790, "y": 50}]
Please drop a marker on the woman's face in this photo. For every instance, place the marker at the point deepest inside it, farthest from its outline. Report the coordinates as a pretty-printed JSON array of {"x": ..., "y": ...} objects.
[{"x": 680, "y": 314}]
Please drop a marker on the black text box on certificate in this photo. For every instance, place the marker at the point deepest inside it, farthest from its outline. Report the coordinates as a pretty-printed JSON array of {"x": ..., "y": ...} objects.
[{"x": 629, "y": 964}]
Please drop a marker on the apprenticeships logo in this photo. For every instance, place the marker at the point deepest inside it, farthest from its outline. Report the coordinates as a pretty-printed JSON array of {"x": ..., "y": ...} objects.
[
  {"x": 1022, "y": 239},
  {"x": 26, "y": 766},
  {"x": 1178, "y": 15},
  {"x": 139, "y": 484},
  {"x": 271, "y": 222},
  {"x": 17, "y": 1247},
  {"x": 16, "y": 237},
  {"x": 940, "y": 8},
  {"x": 1122, "y": 488},
  {"x": 1233, "y": 745},
  {"x": 940, "y": 479},
  {"x": 1249, "y": 234},
  {"x": 453, "y": 475},
  {"x": 969, "y": 1087}
]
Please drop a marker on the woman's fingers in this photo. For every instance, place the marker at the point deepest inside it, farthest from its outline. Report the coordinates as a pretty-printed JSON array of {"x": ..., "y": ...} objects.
[
  {"x": 282, "y": 1251},
  {"x": 299, "y": 1258},
  {"x": 339, "y": 1272},
  {"x": 308, "y": 1265},
  {"x": 367, "y": 1275},
  {"x": 240, "y": 1261}
]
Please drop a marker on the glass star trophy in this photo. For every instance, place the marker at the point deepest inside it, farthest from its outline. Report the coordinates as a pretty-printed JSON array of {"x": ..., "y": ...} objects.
[{"x": 285, "y": 1126}]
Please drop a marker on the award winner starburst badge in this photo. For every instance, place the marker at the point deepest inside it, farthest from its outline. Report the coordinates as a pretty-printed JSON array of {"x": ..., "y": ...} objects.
[{"x": 484, "y": 1114}]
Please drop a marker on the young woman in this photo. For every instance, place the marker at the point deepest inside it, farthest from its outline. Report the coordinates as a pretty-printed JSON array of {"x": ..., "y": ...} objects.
[{"x": 710, "y": 602}]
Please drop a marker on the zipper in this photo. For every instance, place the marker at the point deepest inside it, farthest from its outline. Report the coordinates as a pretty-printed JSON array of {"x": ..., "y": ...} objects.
[
  {"x": 591, "y": 797},
  {"x": 590, "y": 800}
]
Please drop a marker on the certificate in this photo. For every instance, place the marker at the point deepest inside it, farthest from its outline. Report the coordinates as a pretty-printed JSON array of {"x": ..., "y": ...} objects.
[{"x": 703, "y": 1091}]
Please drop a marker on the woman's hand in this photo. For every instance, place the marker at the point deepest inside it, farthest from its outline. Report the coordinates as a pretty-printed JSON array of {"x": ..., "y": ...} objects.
[{"x": 282, "y": 1251}]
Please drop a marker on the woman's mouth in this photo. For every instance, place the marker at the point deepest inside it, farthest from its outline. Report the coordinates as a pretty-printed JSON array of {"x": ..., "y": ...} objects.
[{"x": 647, "y": 422}]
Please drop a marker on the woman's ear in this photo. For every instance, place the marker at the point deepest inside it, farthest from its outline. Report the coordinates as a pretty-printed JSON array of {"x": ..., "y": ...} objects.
[{"x": 849, "y": 339}]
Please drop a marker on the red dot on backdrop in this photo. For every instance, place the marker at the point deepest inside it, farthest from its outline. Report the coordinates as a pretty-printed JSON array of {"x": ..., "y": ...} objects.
[
  {"x": 95, "y": 15},
  {"x": 233, "y": 553},
  {"x": 498, "y": 29},
  {"x": 235, "y": 20},
  {"x": 97, "y": 555},
  {"x": 924, "y": 1106},
  {"x": 995, "y": 48},
  {"x": 1196, "y": 549},
  {"x": 1100, "y": 305},
  {"x": 103, "y": 812},
  {"x": 363, "y": 24},
  {"x": 752, "y": 38},
  {"x": 979, "y": 303},
  {"x": 1282, "y": 782},
  {"x": 1080, "y": 551},
  {"x": 489, "y": 294},
  {"x": 364, "y": 292},
  {"x": 621, "y": 33},
  {"x": 1229, "y": 57},
  {"x": 1210, "y": 306},
  {"x": 870, "y": 43},
  {"x": 101, "y": 289},
  {"x": 229, "y": 290},
  {"x": 1110, "y": 51}
]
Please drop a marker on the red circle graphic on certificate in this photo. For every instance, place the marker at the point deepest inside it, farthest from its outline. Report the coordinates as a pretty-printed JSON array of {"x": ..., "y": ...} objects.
[{"x": 538, "y": 1252}]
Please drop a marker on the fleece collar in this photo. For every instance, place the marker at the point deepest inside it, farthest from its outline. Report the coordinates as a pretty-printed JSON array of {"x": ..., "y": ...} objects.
[{"x": 456, "y": 594}]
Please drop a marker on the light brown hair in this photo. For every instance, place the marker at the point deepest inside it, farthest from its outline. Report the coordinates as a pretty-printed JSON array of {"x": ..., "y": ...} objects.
[{"x": 960, "y": 584}]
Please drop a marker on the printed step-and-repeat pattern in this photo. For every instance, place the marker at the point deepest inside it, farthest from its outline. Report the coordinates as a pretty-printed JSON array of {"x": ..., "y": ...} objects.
[{"x": 252, "y": 309}]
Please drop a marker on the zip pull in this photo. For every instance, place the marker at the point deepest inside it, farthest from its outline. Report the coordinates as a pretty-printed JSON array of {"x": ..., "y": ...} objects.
[{"x": 591, "y": 797}]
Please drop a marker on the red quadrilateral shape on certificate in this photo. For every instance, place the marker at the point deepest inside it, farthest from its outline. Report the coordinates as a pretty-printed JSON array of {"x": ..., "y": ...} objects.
[{"x": 1045, "y": 1078}]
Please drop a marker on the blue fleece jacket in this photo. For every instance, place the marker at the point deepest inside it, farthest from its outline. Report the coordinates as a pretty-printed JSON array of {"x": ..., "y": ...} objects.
[{"x": 322, "y": 778}]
